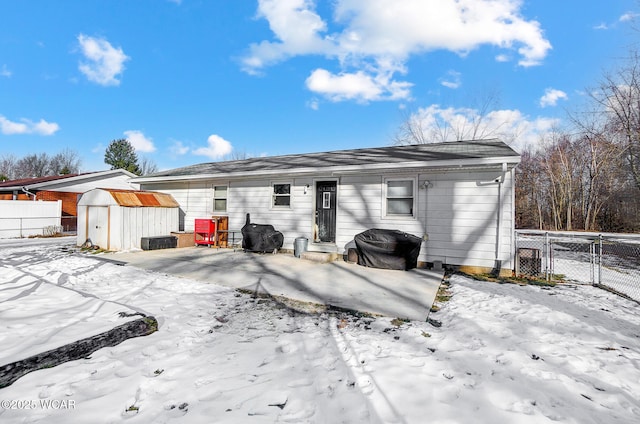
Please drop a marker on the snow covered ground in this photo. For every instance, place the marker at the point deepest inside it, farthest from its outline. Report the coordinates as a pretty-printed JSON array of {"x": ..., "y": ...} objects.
[{"x": 504, "y": 353}]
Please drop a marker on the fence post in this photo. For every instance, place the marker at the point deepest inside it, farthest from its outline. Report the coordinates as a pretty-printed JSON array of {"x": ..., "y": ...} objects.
[
  {"x": 599, "y": 258},
  {"x": 592, "y": 262},
  {"x": 545, "y": 253},
  {"x": 516, "y": 265}
]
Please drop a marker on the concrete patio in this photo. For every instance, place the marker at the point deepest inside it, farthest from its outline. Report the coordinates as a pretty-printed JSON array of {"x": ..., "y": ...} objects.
[{"x": 402, "y": 294}]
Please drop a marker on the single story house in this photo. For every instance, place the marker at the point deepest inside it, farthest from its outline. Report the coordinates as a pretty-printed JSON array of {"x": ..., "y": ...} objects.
[
  {"x": 457, "y": 196},
  {"x": 66, "y": 188}
]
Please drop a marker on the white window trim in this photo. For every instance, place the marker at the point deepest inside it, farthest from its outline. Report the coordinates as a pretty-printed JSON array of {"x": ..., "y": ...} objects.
[
  {"x": 414, "y": 207},
  {"x": 272, "y": 195},
  {"x": 213, "y": 197}
]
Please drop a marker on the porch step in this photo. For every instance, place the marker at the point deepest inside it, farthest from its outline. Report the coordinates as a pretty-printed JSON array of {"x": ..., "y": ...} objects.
[
  {"x": 322, "y": 247},
  {"x": 320, "y": 257}
]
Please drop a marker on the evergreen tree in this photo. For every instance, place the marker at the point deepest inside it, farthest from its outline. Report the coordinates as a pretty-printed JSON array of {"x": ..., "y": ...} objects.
[{"x": 120, "y": 154}]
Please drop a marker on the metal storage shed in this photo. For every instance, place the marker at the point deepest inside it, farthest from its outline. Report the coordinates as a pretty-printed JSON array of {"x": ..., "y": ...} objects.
[{"x": 118, "y": 219}]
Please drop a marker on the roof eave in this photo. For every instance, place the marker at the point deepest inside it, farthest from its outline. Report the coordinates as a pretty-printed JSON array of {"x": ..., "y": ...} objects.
[
  {"x": 388, "y": 167},
  {"x": 62, "y": 181}
]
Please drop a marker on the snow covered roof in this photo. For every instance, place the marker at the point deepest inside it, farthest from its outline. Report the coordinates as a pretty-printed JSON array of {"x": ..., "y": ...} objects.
[{"x": 450, "y": 154}]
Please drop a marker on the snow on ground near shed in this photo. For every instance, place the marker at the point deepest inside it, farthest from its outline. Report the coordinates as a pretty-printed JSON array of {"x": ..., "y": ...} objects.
[{"x": 504, "y": 353}]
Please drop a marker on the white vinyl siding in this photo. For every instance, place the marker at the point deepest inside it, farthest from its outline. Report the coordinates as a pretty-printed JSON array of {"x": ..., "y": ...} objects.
[
  {"x": 462, "y": 218},
  {"x": 255, "y": 197},
  {"x": 361, "y": 206},
  {"x": 194, "y": 199}
]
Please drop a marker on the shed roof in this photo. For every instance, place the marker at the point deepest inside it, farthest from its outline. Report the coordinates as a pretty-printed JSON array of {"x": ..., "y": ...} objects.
[
  {"x": 138, "y": 198},
  {"x": 394, "y": 157}
]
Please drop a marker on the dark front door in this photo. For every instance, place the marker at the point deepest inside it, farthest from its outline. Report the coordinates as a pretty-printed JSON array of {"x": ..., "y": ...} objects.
[{"x": 326, "y": 211}]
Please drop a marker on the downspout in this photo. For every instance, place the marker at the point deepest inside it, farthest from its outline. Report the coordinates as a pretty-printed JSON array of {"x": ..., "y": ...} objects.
[
  {"x": 24, "y": 189},
  {"x": 425, "y": 186},
  {"x": 497, "y": 261}
]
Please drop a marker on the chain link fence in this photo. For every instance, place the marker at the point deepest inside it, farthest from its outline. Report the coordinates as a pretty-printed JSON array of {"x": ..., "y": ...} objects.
[{"x": 606, "y": 260}]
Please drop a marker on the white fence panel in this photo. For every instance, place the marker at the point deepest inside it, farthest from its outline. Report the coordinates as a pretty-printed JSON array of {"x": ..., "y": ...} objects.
[{"x": 24, "y": 218}]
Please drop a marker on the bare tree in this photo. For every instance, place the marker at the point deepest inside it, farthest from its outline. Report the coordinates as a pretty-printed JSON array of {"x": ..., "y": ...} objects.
[
  {"x": 239, "y": 155},
  {"x": 66, "y": 162},
  {"x": 147, "y": 166},
  {"x": 8, "y": 165},
  {"x": 40, "y": 165},
  {"x": 433, "y": 124},
  {"x": 529, "y": 192},
  {"x": 618, "y": 96},
  {"x": 33, "y": 166}
]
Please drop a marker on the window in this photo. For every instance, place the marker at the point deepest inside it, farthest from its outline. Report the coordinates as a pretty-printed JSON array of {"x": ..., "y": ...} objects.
[
  {"x": 399, "y": 199},
  {"x": 326, "y": 200},
  {"x": 281, "y": 196},
  {"x": 219, "y": 199}
]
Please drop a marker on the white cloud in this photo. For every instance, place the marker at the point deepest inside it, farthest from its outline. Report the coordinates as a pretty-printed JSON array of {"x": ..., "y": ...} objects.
[
  {"x": 452, "y": 80},
  {"x": 104, "y": 63},
  {"x": 510, "y": 125},
  {"x": 216, "y": 149},
  {"x": 139, "y": 141},
  {"x": 629, "y": 16},
  {"x": 313, "y": 104},
  {"x": 43, "y": 127},
  {"x": 178, "y": 148},
  {"x": 295, "y": 26},
  {"x": 377, "y": 37},
  {"x": 5, "y": 72},
  {"x": 358, "y": 86},
  {"x": 551, "y": 97},
  {"x": 26, "y": 126}
]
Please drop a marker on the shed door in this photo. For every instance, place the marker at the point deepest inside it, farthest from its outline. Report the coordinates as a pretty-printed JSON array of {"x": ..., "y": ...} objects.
[
  {"x": 97, "y": 225},
  {"x": 326, "y": 211}
]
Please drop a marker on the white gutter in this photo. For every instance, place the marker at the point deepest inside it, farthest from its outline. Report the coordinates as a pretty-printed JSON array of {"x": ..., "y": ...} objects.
[{"x": 24, "y": 189}]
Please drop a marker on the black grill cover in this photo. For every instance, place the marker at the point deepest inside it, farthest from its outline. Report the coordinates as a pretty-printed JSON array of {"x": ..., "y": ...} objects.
[
  {"x": 260, "y": 238},
  {"x": 387, "y": 249}
]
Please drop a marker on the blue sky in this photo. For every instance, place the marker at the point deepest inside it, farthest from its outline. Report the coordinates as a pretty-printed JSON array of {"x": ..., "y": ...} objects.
[{"x": 191, "y": 81}]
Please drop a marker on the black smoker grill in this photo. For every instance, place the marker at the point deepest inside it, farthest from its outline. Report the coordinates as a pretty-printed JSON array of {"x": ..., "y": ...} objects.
[
  {"x": 388, "y": 249},
  {"x": 260, "y": 238}
]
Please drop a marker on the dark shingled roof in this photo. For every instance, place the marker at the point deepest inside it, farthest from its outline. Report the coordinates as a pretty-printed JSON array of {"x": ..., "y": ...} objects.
[
  {"x": 478, "y": 149},
  {"x": 29, "y": 181}
]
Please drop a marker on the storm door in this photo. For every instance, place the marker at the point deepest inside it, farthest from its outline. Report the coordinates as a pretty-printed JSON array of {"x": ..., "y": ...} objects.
[{"x": 326, "y": 211}]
